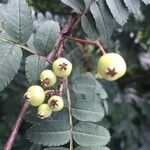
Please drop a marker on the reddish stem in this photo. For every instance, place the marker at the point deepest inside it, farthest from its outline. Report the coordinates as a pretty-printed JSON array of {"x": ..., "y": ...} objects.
[
  {"x": 16, "y": 126},
  {"x": 95, "y": 43},
  {"x": 60, "y": 48},
  {"x": 66, "y": 31}
]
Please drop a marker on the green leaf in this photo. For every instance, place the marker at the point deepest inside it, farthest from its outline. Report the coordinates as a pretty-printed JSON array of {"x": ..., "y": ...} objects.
[
  {"x": 31, "y": 116},
  {"x": 56, "y": 148},
  {"x": 89, "y": 26},
  {"x": 83, "y": 85},
  {"x": 63, "y": 115},
  {"x": 98, "y": 87},
  {"x": 88, "y": 3},
  {"x": 34, "y": 66},
  {"x": 10, "y": 59},
  {"x": 105, "y": 105},
  {"x": 146, "y": 1},
  {"x": 46, "y": 36},
  {"x": 88, "y": 111},
  {"x": 90, "y": 148},
  {"x": 30, "y": 43},
  {"x": 88, "y": 134},
  {"x": 18, "y": 21},
  {"x": 77, "y": 5},
  {"x": 100, "y": 90},
  {"x": 2, "y": 6},
  {"x": 103, "y": 19},
  {"x": 133, "y": 6},
  {"x": 118, "y": 11},
  {"x": 50, "y": 133}
]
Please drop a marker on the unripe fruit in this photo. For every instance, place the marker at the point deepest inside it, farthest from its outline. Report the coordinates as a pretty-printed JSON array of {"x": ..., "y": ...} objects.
[
  {"x": 44, "y": 111},
  {"x": 48, "y": 78},
  {"x": 56, "y": 103},
  {"x": 35, "y": 95},
  {"x": 111, "y": 66},
  {"x": 62, "y": 67}
]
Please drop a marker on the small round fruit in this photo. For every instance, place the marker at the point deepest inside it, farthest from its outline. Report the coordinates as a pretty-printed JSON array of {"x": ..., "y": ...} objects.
[
  {"x": 44, "y": 111},
  {"x": 62, "y": 67},
  {"x": 35, "y": 95},
  {"x": 111, "y": 66},
  {"x": 56, "y": 103},
  {"x": 48, "y": 78}
]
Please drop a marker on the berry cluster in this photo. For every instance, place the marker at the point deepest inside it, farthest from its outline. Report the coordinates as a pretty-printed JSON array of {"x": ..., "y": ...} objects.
[{"x": 48, "y": 78}]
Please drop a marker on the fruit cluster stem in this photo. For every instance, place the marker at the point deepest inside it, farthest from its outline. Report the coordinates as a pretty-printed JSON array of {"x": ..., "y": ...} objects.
[
  {"x": 94, "y": 43},
  {"x": 70, "y": 116},
  {"x": 16, "y": 126}
]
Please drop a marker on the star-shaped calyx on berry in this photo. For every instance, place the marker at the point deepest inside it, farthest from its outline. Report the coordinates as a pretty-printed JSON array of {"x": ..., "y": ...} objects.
[
  {"x": 54, "y": 103},
  {"x": 63, "y": 66},
  {"x": 45, "y": 82},
  {"x": 111, "y": 72}
]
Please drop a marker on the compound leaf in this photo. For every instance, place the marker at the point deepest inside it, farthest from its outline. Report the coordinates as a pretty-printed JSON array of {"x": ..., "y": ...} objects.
[
  {"x": 50, "y": 133},
  {"x": 88, "y": 134},
  {"x": 34, "y": 66},
  {"x": 88, "y": 111},
  {"x": 77, "y": 5},
  {"x": 119, "y": 12},
  {"x": 18, "y": 21},
  {"x": 90, "y": 148},
  {"x": 10, "y": 59},
  {"x": 56, "y": 148},
  {"x": 103, "y": 19},
  {"x": 133, "y": 6},
  {"x": 46, "y": 36},
  {"x": 83, "y": 85},
  {"x": 89, "y": 26}
]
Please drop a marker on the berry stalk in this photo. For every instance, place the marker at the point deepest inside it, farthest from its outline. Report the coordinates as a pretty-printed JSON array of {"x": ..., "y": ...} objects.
[
  {"x": 16, "y": 126},
  {"x": 94, "y": 43}
]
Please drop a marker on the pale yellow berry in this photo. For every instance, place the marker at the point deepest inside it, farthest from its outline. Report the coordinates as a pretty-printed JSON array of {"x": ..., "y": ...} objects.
[
  {"x": 35, "y": 95},
  {"x": 62, "y": 67},
  {"x": 111, "y": 66},
  {"x": 44, "y": 111},
  {"x": 56, "y": 103},
  {"x": 48, "y": 78}
]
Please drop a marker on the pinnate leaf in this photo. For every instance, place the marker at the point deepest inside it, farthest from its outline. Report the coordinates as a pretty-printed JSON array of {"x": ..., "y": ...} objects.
[
  {"x": 10, "y": 59},
  {"x": 119, "y": 12},
  {"x": 34, "y": 66},
  {"x": 90, "y": 148},
  {"x": 103, "y": 19},
  {"x": 88, "y": 134},
  {"x": 89, "y": 26},
  {"x": 50, "y": 133},
  {"x": 84, "y": 85},
  {"x": 18, "y": 22},
  {"x": 56, "y": 148},
  {"x": 46, "y": 36},
  {"x": 77, "y": 5},
  {"x": 133, "y": 6},
  {"x": 88, "y": 111}
]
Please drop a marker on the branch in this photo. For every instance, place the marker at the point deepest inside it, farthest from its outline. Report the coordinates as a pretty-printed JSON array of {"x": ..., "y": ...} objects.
[
  {"x": 70, "y": 115},
  {"x": 16, "y": 126},
  {"x": 66, "y": 31},
  {"x": 59, "y": 45},
  {"x": 94, "y": 43}
]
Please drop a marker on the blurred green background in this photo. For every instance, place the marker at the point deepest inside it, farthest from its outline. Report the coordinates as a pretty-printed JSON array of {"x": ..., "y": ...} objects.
[{"x": 129, "y": 98}]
